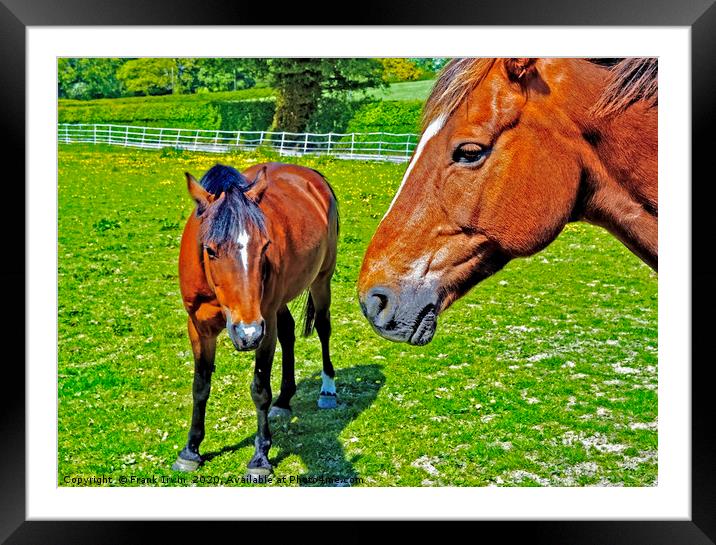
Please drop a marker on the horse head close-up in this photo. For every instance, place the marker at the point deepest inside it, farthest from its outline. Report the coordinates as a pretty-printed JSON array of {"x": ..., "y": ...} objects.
[{"x": 511, "y": 151}]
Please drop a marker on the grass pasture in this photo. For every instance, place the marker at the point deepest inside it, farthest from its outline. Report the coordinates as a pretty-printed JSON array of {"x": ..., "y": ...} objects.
[
  {"x": 544, "y": 375},
  {"x": 405, "y": 90}
]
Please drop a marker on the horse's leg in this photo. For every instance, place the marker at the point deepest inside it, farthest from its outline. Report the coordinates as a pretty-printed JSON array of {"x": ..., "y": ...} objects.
[
  {"x": 204, "y": 348},
  {"x": 261, "y": 395},
  {"x": 321, "y": 294},
  {"x": 287, "y": 337}
]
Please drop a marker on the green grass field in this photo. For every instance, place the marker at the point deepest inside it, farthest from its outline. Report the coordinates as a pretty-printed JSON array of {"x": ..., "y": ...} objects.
[
  {"x": 545, "y": 374},
  {"x": 405, "y": 90}
]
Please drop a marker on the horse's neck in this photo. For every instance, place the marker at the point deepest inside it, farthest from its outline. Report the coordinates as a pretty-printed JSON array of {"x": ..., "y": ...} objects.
[
  {"x": 620, "y": 185},
  {"x": 628, "y": 149}
]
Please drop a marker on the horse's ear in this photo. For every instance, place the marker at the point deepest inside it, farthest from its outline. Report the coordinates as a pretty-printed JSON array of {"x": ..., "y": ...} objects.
[
  {"x": 256, "y": 190},
  {"x": 201, "y": 196},
  {"x": 520, "y": 69}
]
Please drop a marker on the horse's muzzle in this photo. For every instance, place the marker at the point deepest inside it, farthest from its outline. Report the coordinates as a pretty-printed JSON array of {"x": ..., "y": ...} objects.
[
  {"x": 246, "y": 336},
  {"x": 411, "y": 316}
]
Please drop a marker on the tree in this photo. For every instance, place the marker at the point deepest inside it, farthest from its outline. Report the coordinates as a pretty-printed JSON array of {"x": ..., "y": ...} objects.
[
  {"x": 224, "y": 74},
  {"x": 158, "y": 76},
  {"x": 300, "y": 84},
  {"x": 399, "y": 69},
  {"x": 431, "y": 64},
  {"x": 88, "y": 78}
]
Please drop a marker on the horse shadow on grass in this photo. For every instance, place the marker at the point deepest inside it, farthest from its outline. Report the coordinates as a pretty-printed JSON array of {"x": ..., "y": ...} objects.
[{"x": 313, "y": 434}]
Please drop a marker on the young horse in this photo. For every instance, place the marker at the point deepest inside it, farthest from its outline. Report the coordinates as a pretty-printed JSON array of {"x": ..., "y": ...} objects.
[
  {"x": 512, "y": 150},
  {"x": 247, "y": 250}
]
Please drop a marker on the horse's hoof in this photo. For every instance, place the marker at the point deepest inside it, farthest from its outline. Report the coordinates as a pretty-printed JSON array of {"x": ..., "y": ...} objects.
[
  {"x": 279, "y": 413},
  {"x": 258, "y": 475},
  {"x": 185, "y": 465},
  {"x": 327, "y": 401}
]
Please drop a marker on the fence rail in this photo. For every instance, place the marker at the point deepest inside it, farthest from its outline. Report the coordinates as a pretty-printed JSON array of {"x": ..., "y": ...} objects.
[{"x": 378, "y": 146}]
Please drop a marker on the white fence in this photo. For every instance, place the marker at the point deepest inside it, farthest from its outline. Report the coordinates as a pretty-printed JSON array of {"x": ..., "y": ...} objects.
[{"x": 380, "y": 146}]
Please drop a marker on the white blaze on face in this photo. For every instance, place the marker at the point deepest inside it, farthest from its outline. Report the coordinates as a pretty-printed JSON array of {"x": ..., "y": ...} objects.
[
  {"x": 250, "y": 330},
  {"x": 243, "y": 240},
  {"x": 430, "y": 132}
]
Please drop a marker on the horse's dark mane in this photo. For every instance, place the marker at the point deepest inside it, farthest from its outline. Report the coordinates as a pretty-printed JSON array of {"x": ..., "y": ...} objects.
[
  {"x": 630, "y": 80},
  {"x": 235, "y": 212}
]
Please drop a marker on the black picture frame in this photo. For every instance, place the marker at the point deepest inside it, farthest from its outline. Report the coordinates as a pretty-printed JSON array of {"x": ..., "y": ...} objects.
[{"x": 699, "y": 15}]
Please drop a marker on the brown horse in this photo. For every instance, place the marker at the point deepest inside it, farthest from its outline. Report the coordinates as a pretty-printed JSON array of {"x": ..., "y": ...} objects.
[
  {"x": 247, "y": 250},
  {"x": 512, "y": 150}
]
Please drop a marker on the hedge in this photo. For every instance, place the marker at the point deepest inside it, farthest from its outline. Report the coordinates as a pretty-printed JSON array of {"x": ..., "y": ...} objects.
[
  {"x": 227, "y": 113},
  {"x": 245, "y": 115},
  {"x": 162, "y": 114},
  {"x": 387, "y": 116}
]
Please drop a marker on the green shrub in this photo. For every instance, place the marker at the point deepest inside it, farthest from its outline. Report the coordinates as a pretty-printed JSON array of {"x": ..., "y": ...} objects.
[
  {"x": 151, "y": 114},
  {"x": 245, "y": 115},
  {"x": 249, "y": 110},
  {"x": 387, "y": 116},
  {"x": 202, "y": 110}
]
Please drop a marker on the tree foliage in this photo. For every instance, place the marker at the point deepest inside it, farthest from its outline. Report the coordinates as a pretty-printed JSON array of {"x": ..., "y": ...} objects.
[
  {"x": 228, "y": 74},
  {"x": 301, "y": 83},
  {"x": 88, "y": 78},
  {"x": 400, "y": 69},
  {"x": 157, "y": 75}
]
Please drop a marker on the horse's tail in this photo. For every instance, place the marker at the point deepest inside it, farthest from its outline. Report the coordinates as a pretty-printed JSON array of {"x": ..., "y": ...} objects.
[{"x": 309, "y": 316}]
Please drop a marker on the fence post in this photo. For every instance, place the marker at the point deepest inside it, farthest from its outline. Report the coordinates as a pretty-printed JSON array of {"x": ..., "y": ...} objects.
[
  {"x": 283, "y": 139},
  {"x": 353, "y": 143},
  {"x": 126, "y": 135},
  {"x": 144, "y": 134},
  {"x": 67, "y": 134},
  {"x": 161, "y": 133},
  {"x": 176, "y": 144},
  {"x": 380, "y": 145},
  {"x": 196, "y": 140},
  {"x": 305, "y": 144},
  {"x": 216, "y": 140},
  {"x": 261, "y": 139},
  {"x": 94, "y": 134},
  {"x": 407, "y": 148},
  {"x": 238, "y": 138},
  {"x": 109, "y": 134},
  {"x": 329, "y": 144}
]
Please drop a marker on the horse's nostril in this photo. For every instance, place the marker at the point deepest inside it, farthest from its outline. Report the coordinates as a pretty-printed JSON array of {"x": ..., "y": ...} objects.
[
  {"x": 379, "y": 307},
  {"x": 380, "y": 302}
]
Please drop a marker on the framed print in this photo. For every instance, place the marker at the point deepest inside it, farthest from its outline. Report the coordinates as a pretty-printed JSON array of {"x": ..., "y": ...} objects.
[{"x": 478, "y": 186}]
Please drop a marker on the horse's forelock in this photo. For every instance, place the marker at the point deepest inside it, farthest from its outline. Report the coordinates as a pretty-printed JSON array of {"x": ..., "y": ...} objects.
[
  {"x": 224, "y": 221},
  {"x": 457, "y": 79}
]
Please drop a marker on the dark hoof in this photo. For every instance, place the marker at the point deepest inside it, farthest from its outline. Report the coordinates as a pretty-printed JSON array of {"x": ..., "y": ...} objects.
[
  {"x": 185, "y": 465},
  {"x": 279, "y": 413},
  {"x": 327, "y": 401},
  {"x": 258, "y": 475}
]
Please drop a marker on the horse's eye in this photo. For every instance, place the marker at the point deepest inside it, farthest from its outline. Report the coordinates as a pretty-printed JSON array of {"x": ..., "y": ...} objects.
[
  {"x": 470, "y": 154},
  {"x": 210, "y": 252}
]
